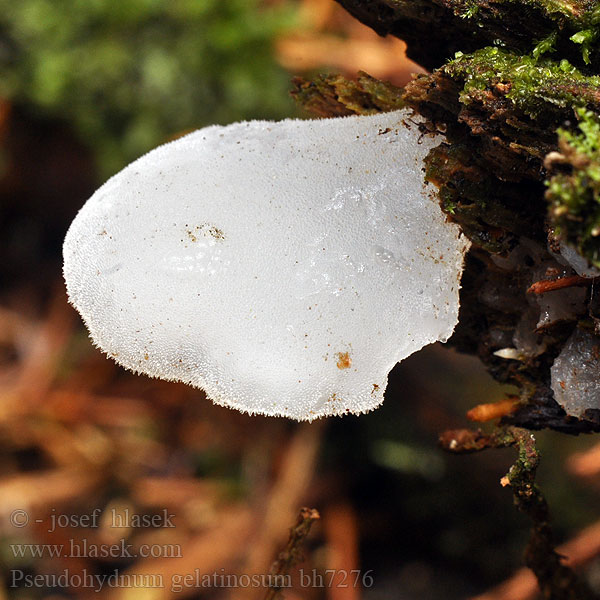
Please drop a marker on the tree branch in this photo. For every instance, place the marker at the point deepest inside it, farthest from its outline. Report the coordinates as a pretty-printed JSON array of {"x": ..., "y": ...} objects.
[{"x": 556, "y": 581}]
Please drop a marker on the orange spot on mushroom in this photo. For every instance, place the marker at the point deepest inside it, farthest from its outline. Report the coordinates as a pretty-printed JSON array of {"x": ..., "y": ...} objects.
[{"x": 344, "y": 361}]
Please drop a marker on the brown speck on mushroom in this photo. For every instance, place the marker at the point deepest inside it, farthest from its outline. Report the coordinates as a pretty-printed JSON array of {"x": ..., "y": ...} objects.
[
  {"x": 344, "y": 361},
  {"x": 216, "y": 233},
  {"x": 206, "y": 230}
]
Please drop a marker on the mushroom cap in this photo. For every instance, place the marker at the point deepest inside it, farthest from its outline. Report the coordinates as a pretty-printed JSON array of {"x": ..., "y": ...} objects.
[{"x": 284, "y": 268}]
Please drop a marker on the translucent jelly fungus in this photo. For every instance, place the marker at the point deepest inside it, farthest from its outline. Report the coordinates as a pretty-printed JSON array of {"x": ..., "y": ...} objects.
[
  {"x": 284, "y": 268},
  {"x": 575, "y": 374}
]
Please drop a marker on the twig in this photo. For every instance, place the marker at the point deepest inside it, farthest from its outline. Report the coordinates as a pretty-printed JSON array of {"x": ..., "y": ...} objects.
[
  {"x": 556, "y": 581},
  {"x": 549, "y": 285},
  {"x": 292, "y": 553},
  {"x": 466, "y": 441}
]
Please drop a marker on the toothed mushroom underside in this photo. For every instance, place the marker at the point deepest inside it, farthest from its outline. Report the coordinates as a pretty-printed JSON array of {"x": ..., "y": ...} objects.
[{"x": 284, "y": 268}]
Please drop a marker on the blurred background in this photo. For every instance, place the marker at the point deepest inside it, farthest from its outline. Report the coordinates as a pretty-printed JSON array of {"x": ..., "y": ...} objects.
[{"x": 86, "y": 86}]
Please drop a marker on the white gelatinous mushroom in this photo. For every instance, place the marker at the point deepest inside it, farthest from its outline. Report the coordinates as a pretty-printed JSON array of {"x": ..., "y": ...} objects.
[{"x": 284, "y": 268}]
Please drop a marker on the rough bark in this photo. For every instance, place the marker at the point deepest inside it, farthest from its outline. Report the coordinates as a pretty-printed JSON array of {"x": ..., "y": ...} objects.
[{"x": 436, "y": 29}]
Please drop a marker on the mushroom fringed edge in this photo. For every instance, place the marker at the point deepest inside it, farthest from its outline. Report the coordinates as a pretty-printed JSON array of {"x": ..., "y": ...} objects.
[
  {"x": 519, "y": 171},
  {"x": 339, "y": 281}
]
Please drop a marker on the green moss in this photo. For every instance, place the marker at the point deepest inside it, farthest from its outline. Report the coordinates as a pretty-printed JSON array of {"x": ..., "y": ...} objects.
[
  {"x": 585, "y": 37},
  {"x": 533, "y": 85},
  {"x": 576, "y": 12},
  {"x": 581, "y": 17},
  {"x": 509, "y": 107},
  {"x": 574, "y": 192},
  {"x": 546, "y": 45},
  {"x": 467, "y": 10}
]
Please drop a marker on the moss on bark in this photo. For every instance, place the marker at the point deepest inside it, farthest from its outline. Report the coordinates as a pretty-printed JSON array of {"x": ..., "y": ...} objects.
[
  {"x": 574, "y": 189},
  {"x": 567, "y": 27}
]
